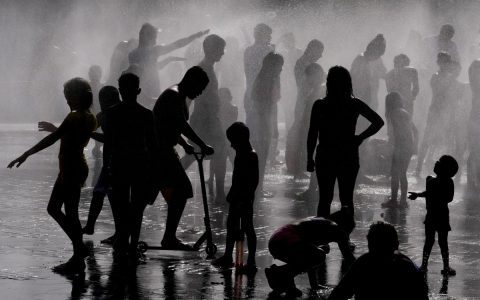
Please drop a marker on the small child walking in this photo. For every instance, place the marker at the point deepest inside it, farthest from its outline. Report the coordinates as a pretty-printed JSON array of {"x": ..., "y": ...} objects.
[
  {"x": 439, "y": 192},
  {"x": 241, "y": 197}
]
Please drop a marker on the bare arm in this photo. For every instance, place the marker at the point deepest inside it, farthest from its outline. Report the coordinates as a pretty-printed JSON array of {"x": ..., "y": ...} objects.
[
  {"x": 163, "y": 63},
  {"x": 191, "y": 135},
  {"x": 376, "y": 122},
  {"x": 162, "y": 50},
  {"x": 312, "y": 137},
  {"x": 44, "y": 143}
]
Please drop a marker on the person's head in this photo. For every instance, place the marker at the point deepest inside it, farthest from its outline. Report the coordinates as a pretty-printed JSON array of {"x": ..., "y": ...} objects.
[
  {"x": 95, "y": 73},
  {"x": 339, "y": 83},
  {"x": 272, "y": 64},
  {"x": 239, "y": 135},
  {"x": 455, "y": 68},
  {"x": 214, "y": 47},
  {"x": 108, "y": 97},
  {"x": 225, "y": 95},
  {"x": 129, "y": 86},
  {"x": 474, "y": 74},
  {"x": 401, "y": 61},
  {"x": 194, "y": 82},
  {"x": 288, "y": 40},
  {"x": 148, "y": 35},
  {"x": 314, "y": 74},
  {"x": 447, "y": 32},
  {"x": 393, "y": 101},
  {"x": 78, "y": 93},
  {"x": 344, "y": 220},
  {"x": 446, "y": 166},
  {"x": 382, "y": 239},
  {"x": 376, "y": 48},
  {"x": 314, "y": 50},
  {"x": 262, "y": 33},
  {"x": 444, "y": 60}
]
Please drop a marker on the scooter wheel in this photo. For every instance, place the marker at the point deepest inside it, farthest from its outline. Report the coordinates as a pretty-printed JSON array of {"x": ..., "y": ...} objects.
[
  {"x": 211, "y": 249},
  {"x": 142, "y": 246}
]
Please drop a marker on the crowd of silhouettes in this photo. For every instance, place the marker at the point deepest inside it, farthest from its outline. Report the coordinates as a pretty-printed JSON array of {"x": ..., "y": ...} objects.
[{"x": 328, "y": 131}]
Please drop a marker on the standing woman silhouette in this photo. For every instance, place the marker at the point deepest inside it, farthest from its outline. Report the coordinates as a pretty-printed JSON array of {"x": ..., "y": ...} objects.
[
  {"x": 74, "y": 134},
  {"x": 333, "y": 122}
]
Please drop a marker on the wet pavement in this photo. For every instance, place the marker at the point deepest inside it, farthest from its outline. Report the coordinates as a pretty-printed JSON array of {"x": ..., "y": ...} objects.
[{"x": 31, "y": 242}]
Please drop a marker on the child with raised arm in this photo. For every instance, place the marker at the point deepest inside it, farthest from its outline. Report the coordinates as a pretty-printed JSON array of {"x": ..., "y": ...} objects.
[
  {"x": 439, "y": 192},
  {"x": 74, "y": 134},
  {"x": 241, "y": 197}
]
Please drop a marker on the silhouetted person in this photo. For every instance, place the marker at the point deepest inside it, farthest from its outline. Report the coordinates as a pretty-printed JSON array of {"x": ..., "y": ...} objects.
[
  {"x": 365, "y": 71},
  {"x": 129, "y": 146},
  {"x": 443, "y": 43},
  {"x": 147, "y": 54},
  {"x": 383, "y": 272},
  {"x": 205, "y": 118},
  {"x": 302, "y": 245},
  {"x": 252, "y": 61},
  {"x": 312, "y": 53},
  {"x": 473, "y": 162},
  {"x": 241, "y": 197},
  {"x": 333, "y": 122},
  {"x": 171, "y": 116},
  {"x": 315, "y": 77},
  {"x": 403, "y": 79},
  {"x": 74, "y": 134},
  {"x": 265, "y": 94},
  {"x": 290, "y": 52},
  {"x": 119, "y": 60},
  {"x": 439, "y": 192},
  {"x": 94, "y": 78},
  {"x": 402, "y": 137},
  {"x": 439, "y": 111},
  {"x": 108, "y": 97}
]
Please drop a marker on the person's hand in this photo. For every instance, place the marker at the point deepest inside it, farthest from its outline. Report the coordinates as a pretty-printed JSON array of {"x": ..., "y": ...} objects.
[
  {"x": 189, "y": 149},
  {"x": 208, "y": 150},
  {"x": 310, "y": 165},
  {"x": 200, "y": 33},
  {"x": 358, "y": 140},
  {"x": 18, "y": 161},
  {"x": 46, "y": 126},
  {"x": 412, "y": 195}
]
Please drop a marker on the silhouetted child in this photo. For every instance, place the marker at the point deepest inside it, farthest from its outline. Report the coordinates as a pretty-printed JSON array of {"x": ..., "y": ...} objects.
[
  {"x": 108, "y": 97},
  {"x": 171, "y": 122},
  {"x": 74, "y": 134},
  {"x": 303, "y": 246},
  {"x": 241, "y": 197},
  {"x": 129, "y": 145},
  {"x": 439, "y": 192},
  {"x": 402, "y": 137},
  {"x": 383, "y": 272}
]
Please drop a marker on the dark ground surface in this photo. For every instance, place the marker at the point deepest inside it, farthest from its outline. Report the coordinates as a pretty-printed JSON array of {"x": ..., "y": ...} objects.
[{"x": 31, "y": 242}]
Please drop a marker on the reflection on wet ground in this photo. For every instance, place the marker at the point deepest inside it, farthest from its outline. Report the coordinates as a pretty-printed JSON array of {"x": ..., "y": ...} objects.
[{"x": 31, "y": 243}]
